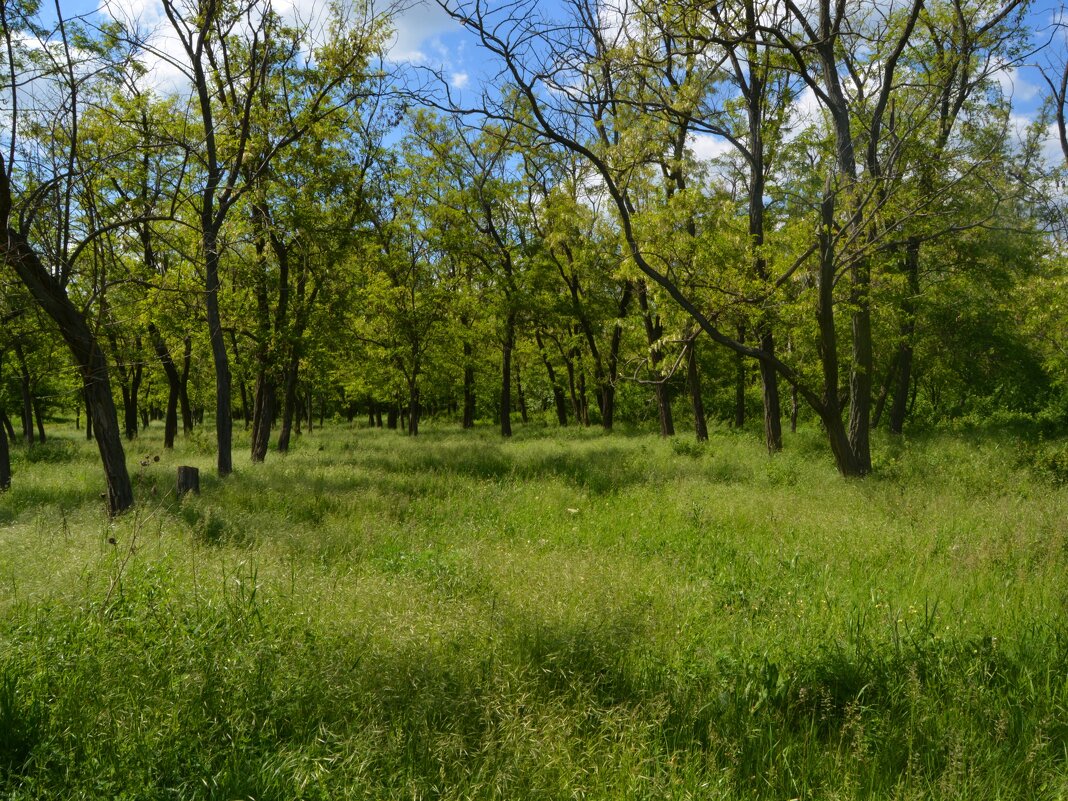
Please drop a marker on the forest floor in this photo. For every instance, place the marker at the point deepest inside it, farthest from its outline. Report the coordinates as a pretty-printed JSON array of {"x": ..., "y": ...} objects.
[{"x": 563, "y": 615}]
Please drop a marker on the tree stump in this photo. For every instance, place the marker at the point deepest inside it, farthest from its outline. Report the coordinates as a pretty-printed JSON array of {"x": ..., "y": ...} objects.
[{"x": 188, "y": 480}]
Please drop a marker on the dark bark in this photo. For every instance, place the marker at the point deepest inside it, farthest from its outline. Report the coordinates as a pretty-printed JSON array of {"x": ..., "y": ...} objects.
[
  {"x": 831, "y": 411},
  {"x": 88, "y": 417},
  {"x": 900, "y": 407},
  {"x": 654, "y": 330},
  {"x": 183, "y": 388},
  {"x": 739, "y": 383},
  {"x": 506, "y": 374},
  {"x": 224, "y": 424},
  {"x": 583, "y": 399},
  {"x": 264, "y": 416},
  {"x": 608, "y": 403},
  {"x": 755, "y": 91},
  {"x": 5, "y": 421},
  {"x": 130, "y": 378},
  {"x": 264, "y": 401},
  {"x": 884, "y": 390},
  {"x": 391, "y": 417},
  {"x": 521, "y": 396},
  {"x": 188, "y": 481},
  {"x": 769, "y": 380},
  {"x": 469, "y": 386},
  {"x": 5, "y": 460},
  {"x": 569, "y": 366},
  {"x": 39, "y": 417},
  {"x": 174, "y": 384},
  {"x": 693, "y": 380},
  {"x": 170, "y": 419},
  {"x": 559, "y": 401},
  {"x": 289, "y": 403},
  {"x": 413, "y": 408},
  {"x": 92, "y": 365},
  {"x": 27, "y": 396}
]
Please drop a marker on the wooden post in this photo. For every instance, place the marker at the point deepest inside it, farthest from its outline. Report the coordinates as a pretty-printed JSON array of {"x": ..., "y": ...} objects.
[{"x": 188, "y": 481}]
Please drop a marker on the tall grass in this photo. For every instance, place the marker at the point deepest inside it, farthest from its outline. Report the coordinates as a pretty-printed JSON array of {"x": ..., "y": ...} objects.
[{"x": 565, "y": 615}]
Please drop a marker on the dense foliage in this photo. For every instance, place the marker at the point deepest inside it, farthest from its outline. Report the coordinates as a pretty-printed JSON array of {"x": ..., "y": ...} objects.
[{"x": 296, "y": 228}]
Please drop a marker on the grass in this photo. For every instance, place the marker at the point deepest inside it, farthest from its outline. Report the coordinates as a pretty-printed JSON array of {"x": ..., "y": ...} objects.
[{"x": 564, "y": 615}]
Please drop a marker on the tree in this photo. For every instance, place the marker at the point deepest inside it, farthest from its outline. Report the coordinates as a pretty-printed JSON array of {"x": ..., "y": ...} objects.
[
  {"x": 256, "y": 97},
  {"x": 584, "y": 87},
  {"x": 39, "y": 175}
]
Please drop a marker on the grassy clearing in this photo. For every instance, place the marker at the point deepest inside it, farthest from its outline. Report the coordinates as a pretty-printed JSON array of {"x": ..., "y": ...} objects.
[{"x": 559, "y": 616}]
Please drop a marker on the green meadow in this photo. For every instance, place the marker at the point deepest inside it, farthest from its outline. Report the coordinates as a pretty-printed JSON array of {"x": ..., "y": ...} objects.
[{"x": 565, "y": 615}]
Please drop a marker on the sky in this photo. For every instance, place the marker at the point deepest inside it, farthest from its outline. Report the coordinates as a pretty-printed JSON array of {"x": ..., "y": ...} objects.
[{"x": 426, "y": 36}]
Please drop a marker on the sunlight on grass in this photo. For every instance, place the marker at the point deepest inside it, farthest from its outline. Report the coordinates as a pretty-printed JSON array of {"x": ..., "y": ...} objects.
[{"x": 556, "y": 616}]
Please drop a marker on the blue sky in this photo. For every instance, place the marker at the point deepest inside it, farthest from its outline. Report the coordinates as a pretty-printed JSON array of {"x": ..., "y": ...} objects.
[{"x": 425, "y": 35}]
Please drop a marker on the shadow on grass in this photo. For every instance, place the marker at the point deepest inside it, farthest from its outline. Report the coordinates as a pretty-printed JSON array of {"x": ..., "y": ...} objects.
[
  {"x": 599, "y": 468},
  {"x": 249, "y": 702}
]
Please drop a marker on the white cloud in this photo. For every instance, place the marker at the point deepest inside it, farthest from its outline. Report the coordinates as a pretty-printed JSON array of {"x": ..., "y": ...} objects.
[
  {"x": 1051, "y": 146},
  {"x": 459, "y": 80},
  {"x": 417, "y": 32},
  {"x": 1015, "y": 87},
  {"x": 706, "y": 147}
]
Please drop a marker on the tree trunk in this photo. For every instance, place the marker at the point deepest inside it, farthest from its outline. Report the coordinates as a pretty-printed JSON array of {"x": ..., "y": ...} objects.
[
  {"x": 569, "y": 366},
  {"x": 899, "y": 408},
  {"x": 765, "y": 339},
  {"x": 87, "y": 354},
  {"x": 506, "y": 375},
  {"x": 174, "y": 384},
  {"x": 224, "y": 424},
  {"x": 263, "y": 417},
  {"x": 654, "y": 330},
  {"x": 861, "y": 364},
  {"x": 391, "y": 417},
  {"x": 831, "y": 411},
  {"x": 130, "y": 388},
  {"x": 27, "y": 396},
  {"x": 170, "y": 420},
  {"x": 469, "y": 386},
  {"x": 739, "y": 383},
  {"x": 5, "y": 461},
  {"x": 693, "y": 379},
  {"x": 88, "y": 418},
  {"x": 770, "y": 383},
  {"x": 884, "y": 390},
  {"x": 558, "y": 392},
  {"x": 289, "y": 403},
  {"x": 183, "y": 388},
  {"x": 520, "y": 395},
  {"x": 583, "y": 398},
  {"x": 5, "y": 421},
  {"x": 413, "y": 407},
  {"x": 39, "y": 418}
]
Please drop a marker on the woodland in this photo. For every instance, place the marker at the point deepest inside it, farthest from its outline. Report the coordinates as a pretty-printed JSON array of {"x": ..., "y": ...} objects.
[
  {"x": 300, "y": 228},
  {"x": 676, "y": 410}
]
